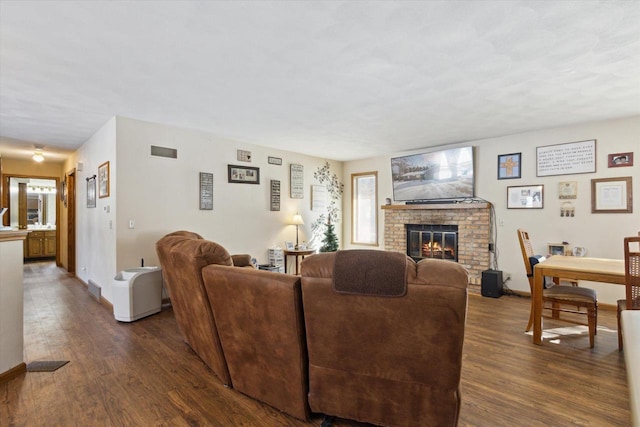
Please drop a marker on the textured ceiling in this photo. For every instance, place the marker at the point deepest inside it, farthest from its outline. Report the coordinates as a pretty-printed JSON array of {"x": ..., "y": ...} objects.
[{"x": 340, "y": 80}]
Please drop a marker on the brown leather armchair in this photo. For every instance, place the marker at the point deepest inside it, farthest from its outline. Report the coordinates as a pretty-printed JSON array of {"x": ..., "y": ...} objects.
[
  {"x": 387, "y": 359},
  {"x": 182, "y": 256}
]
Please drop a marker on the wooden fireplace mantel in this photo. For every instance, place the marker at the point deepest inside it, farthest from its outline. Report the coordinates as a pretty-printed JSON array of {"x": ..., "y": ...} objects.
[{"x": 482, "y": 205}]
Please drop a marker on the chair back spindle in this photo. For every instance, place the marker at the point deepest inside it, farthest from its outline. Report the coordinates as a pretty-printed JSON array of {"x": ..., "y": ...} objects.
[{"x": 632, "y": 272}]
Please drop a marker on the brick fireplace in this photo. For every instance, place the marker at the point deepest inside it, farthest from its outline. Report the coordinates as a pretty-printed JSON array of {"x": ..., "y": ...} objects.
[{"x": 473, "y": 227}]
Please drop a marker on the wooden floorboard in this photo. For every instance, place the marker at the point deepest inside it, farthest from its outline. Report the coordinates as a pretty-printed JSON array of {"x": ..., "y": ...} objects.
[{"x": 142, "y": 373}]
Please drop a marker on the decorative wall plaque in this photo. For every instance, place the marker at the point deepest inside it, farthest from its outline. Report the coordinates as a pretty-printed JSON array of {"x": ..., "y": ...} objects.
[
  {"x": 275, "y": 195},
  {"x": 566, "y": 159},
  {"x": 296, "y": 190},
  {"x": 206, "y": 191}
]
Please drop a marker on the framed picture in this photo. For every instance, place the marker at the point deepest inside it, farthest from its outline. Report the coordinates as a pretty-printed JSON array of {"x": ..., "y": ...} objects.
[
  {"x": 525, "y": 197},
  {"x": 618, "y": 160},
  {"x": 566, "y": 159},
  {"x": 206, "y": 191},
  {"x": 568, "y": 190},
  {"x": 289, "y": 245},
  {"x": 275, "y": 195},
  {"x": 244, "y": 174},
  {"x": 296, "y": 190},
  {"x": 611, "y": 195},
  {"x": 91, "y": 192},
  {"x": 509, "y": 166},
  {"x": 244, "y": 156},
  {"x": 274, "y": 161},
  {"x": 319, "y": 198},
  {"x": 103, "y": 180}
]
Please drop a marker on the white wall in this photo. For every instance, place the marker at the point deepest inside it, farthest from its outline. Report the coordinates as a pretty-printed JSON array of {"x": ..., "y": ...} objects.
[
  {"x": 95, "y": 238},
  {"x": 161, "y": 195},
  {"x": 601, "y": 234}
]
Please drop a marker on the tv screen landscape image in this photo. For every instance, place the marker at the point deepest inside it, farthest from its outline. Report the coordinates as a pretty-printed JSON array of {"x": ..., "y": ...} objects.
[{"x": 445, "y": 174}]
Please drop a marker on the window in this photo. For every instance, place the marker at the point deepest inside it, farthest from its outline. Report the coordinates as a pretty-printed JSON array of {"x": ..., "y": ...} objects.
[{"x": 364, "y": 208}]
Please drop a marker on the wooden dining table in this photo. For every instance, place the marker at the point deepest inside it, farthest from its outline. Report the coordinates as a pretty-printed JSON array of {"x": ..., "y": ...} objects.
[{"x": 571, "y": 268}]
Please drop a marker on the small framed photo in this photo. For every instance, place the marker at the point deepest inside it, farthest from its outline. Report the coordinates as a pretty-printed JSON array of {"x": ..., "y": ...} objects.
[
  {"x": 611, "y": 195},
  {"x": 274, "y": 161},
  {"x": 618, "y": 160},
  {"x": 289, "y": 245},
  {"x": 525, "y": 197},
  {"x": 244, "y": 174},
  {"x": 509, "y": 166},
  {"x": 103, "y": 180}
]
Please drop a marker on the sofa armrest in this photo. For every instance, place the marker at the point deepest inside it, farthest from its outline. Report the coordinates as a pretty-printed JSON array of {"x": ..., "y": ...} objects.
[{"x": 241, "y": 260}]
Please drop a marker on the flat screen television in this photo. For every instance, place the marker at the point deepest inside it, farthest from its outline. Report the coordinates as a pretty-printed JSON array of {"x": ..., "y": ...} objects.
[{"x": 437, "y": 175}]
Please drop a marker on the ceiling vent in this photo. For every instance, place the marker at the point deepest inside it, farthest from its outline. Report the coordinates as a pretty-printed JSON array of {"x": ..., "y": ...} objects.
[{"x": 170, "y": 153}]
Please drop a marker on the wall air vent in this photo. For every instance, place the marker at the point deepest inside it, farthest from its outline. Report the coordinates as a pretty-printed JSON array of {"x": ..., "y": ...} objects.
[{"x": 170, "y": 153}]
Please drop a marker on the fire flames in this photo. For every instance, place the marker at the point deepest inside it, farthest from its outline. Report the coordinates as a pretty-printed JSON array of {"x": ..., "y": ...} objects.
[{"x": 434, "y": 250}]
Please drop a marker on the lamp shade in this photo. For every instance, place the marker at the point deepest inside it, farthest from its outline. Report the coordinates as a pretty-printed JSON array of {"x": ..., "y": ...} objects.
[{"x": 297, "y": 220}]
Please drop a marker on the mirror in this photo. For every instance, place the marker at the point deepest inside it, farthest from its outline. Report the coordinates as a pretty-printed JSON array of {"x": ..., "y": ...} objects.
[{"x": 36, "y": 202}]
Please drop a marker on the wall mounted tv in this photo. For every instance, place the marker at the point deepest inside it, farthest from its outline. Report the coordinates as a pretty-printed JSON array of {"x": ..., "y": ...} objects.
[{"x": 437, "y": 175}]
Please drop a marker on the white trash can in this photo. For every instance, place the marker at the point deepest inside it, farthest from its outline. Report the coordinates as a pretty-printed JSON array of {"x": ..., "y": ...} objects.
[{"x": 137, "y": 293}]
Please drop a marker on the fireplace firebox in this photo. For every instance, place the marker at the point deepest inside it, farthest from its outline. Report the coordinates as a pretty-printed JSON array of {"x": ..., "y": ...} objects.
[{"x": 432, "y": 241}]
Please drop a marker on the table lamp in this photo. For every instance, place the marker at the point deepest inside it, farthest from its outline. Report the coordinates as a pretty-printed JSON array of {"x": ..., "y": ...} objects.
[{"x": 297, "y": 221}]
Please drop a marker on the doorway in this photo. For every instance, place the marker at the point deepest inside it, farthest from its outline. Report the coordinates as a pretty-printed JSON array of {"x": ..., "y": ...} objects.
[{"x": 33, "y": 205}]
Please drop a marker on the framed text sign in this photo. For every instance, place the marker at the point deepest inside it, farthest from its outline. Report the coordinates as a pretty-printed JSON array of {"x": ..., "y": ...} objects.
[
  {"x": 296, "y": 182},
  {"x": 275, "y": 195},
  {"x": 566, "y": 159},
  {"x": 206, "y": 191}
]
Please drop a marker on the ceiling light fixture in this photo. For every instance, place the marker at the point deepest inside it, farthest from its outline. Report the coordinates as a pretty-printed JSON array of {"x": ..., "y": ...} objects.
[{"x": 37, "y": 156}]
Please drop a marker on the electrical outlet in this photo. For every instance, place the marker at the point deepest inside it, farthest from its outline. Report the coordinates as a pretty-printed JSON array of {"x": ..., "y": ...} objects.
[{"x": 132, "y": 224}]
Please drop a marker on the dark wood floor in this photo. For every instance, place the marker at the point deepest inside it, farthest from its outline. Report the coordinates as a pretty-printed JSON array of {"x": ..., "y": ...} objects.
[{"x": 142, "y": 374}]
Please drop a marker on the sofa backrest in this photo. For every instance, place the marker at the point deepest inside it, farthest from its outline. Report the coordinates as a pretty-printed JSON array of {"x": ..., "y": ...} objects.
[
  {"x": 388, "y": 360},
  {"x": 163, "y": 246},
  {"x": 259, "y": 319},
  {"x": 182, "y": 258}
]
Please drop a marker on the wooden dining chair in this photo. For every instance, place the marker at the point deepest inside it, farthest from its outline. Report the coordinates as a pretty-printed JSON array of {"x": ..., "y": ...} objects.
[
  {"x": 558, "y": 298},
  {"x": 631, "y": 280}
]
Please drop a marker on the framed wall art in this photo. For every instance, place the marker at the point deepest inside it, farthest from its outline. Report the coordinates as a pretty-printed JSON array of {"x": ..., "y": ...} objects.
[
  {"x": 318, "y": 198},
  {"x": 91, "y": 191},
  {"x": 618, "y": 160},
  {"x": 611, "y": 195},
  {"x": 568, "y": 190},
  {"x": 244, "y": 156},
  {"x": 566, "y": 159},
  {"x": 274, "y": 161},
  {"x": 509, "y": 166},
  {"x": 206, "y": 191},
  {"x": 243, "y": 174},
  {"x": 275, "y": 195},
  {"x": 103, "y": 180},
  {"x": 296, "y": 189},
  {"x": 525, "y": 197}
]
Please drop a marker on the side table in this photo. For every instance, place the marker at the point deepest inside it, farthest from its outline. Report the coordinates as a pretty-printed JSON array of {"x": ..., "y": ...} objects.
[{"x": 298, "y": 255}]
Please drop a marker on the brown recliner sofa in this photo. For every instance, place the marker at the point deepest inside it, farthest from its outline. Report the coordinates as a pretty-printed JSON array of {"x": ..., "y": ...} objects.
[
  {"x": 259, "y": 319},
  {"x": 182, "y": 256},
  {"x": 387, "y": 355},
  {"x": 339, "y": 341}
]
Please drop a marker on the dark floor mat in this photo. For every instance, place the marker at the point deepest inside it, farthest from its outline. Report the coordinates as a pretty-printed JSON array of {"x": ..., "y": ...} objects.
[{"x": 46, "y": 365}]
